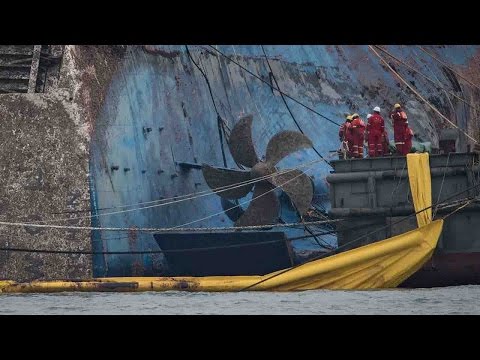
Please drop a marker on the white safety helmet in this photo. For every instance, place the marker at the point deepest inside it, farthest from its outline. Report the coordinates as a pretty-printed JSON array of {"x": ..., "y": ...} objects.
[
  {"x": 376, "y": 108},
  {"x": 368, "y": 116}
]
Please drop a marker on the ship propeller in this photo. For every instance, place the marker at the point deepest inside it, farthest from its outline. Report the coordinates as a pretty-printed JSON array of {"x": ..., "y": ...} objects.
[{"x": 265, "y": 206}]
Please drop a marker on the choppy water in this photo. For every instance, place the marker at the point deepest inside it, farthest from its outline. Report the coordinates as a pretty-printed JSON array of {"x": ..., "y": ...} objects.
[{"x": 451, "y": 300}]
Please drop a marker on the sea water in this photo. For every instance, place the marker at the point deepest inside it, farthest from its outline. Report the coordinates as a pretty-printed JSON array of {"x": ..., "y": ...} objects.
[{"x": 447, "y": 300}]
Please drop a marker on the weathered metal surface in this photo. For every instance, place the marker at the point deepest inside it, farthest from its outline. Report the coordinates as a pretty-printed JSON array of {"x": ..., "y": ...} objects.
[
  {"x": 232, "y": 210},
  {"x": 217, "y": 178},
  {"x": 397, "y": 163},
  {"x": 285, "y": 143},
  {"x": 149, "y": 110},
  {"x": 262, "y": 170},
  {"x": 386, "y": 211},
  {"x": 44, "y": 168},
  {"x": 241, "y": 144},
  {"x": 45, "y": 159},
  {"x": 454, "y": 261},
  {"x": 349, "y": 190},
  {"x": 29, "y": 68},
  {"x": 230, "y": 253},
  {"x": 295, "y": 183},
  {"x": 359, "y": 176},
  {"x": 15, "y": 65},
  {"x": 448, "y": 269},
  {"x": 160, "y": 88},
  {"x": 32, "y": 81},
  {"x": 298, "y": 187},
  {"x": 264, "y": 207}
]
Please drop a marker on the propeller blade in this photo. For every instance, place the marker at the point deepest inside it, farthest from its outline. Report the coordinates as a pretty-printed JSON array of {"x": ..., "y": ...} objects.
[
  {"x": 261, "y": 211},
  {"x": 218, "y": 177},
  {"x": 284, "y": 143},
  {"x": 241, "y": 143},
  {"x": 297, "y": 186},
  {"x": 231, "y": 209}
]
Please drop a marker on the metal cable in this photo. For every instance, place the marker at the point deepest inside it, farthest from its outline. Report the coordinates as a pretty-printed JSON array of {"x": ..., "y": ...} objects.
[
  {"x": 420, "y": 96},
  {"x": 219, "y": 118},
  {"x": 175, "y": 228},
  {"x": 447, "y": 66},
  {"x": 362, "y": 237},
  {"x": 441, "y": 185},
  {"x": 437, "y": 83},
  {"x": 83, "y": 252},
  {"x": 399, "y": 178},
  {"x": 185, "y": 197},
  {"x": 288, "y": 107},
  {"x": 273, "y": 87},
  {"x": 171, "y": 229},
  {"x": 459, "y": 208}
]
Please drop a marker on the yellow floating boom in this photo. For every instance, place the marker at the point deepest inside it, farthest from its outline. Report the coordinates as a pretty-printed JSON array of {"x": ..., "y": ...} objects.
[{"x": 384, "y": 264}]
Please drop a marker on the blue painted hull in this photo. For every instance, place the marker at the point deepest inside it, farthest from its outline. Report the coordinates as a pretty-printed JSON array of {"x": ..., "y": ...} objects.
[{"x": 158, "y": 111}]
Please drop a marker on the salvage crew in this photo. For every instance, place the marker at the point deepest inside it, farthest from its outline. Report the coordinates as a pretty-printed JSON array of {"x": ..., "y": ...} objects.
[
  {"x": 374, "y": 134},
  {"x": 400, "y": 127},
  {"x": 345, "y": 135},
  {"x": 358, "y": 134}
]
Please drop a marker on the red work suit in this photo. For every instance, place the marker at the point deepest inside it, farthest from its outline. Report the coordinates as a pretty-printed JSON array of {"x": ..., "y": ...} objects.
[
  {"x": 345, "y": 135},
  {"x": 408, "y": 140},
  {"x": 375, "y": 129},
  {"x": 400, "y": 125},
  {"x": 358, "y": 133}
]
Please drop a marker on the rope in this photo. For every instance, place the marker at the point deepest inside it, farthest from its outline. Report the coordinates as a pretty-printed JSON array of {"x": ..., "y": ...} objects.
[
  {"x": 399, "y": 178},
  {"x": 459, "y": 208},
  {"x": 437, "y": 83},
  {"x": 186, "y": 197},
  {"x": 219, "y": 118},
  {"x": 441, "y": 185},
  {"x": 148, "y": 202},
  {"x": 320, "y": 242},
  {"x": 171, "y": 229},
  {"x": 420, "y": 96},
  {"x": 288, "y": 107},
  {"x": 455, "y": 203},
  {"x": 84, "y": 252},
  {"x": 296, "y": 123},
  {"x": 154, "y": 229},
  {"x": 165, "y": 251},
  {"x": 273, "y": 87},
  {"x": 447, "y": 66},
  {"x": 358, "y": 239},
  {"x": 452, "y": 107}
]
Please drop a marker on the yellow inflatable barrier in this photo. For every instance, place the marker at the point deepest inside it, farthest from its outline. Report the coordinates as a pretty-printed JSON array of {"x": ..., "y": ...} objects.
[{"x": 384, "y": 264}]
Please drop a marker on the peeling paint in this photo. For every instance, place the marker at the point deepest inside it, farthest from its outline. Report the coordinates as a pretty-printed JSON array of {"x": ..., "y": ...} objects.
[{"x": 94, "y": 120}]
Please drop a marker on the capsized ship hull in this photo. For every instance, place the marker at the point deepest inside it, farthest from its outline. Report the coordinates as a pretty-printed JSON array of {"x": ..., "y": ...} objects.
[
  {"x": 158, "y": 113},
  {"x": 91, "y": 130}
]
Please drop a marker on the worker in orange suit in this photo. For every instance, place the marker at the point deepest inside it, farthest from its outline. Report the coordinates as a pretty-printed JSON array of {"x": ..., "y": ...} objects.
[
  {"x": 358, "y": 134},
  {"x": 400, "y": 126},
  {"x": 346, "y": 141},
  {"x": 375, "y": 130}
]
